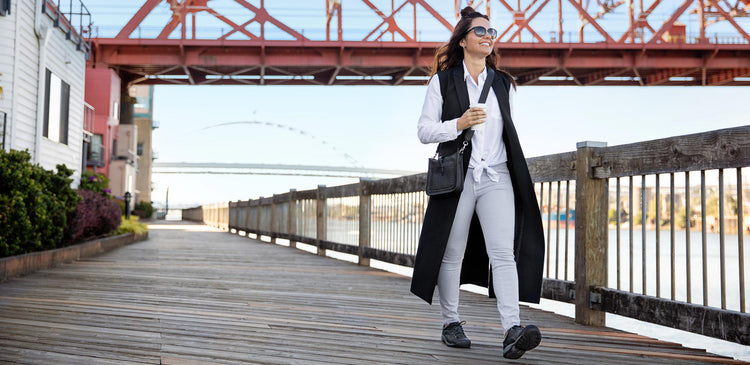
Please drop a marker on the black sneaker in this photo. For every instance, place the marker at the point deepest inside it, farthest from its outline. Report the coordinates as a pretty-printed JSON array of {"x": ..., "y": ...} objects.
[
  {"x": 453, "y": 335},
  {"x": 519, "y": 339}
]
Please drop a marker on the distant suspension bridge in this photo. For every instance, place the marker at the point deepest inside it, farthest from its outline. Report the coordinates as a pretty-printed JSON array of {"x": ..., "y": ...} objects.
[{"x": 273, "y": 169}]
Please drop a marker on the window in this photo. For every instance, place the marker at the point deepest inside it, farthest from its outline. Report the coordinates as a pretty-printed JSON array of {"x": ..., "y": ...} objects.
[
  {"x": 56, "y": 106},
  {"x": 140, "y": 149},
  {"x": 95, "y": 155},
  {"x": 4, "y": 7}
]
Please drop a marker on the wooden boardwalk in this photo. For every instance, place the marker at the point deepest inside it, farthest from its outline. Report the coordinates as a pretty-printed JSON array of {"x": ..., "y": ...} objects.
[{"x": 192, "y": 295}]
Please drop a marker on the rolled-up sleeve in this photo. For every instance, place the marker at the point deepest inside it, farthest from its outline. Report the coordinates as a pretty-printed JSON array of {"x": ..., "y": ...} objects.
[{"x": 430, "y": 128}]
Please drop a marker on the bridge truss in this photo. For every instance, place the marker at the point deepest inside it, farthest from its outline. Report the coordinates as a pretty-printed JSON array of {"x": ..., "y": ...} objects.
[{"x": 541, "y": 42}]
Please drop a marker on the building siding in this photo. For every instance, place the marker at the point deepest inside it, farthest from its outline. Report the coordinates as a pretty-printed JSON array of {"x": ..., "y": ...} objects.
[
  {"x": 27, "y": 61},
  {"x": 7, "y": 26},
  {"x": 20, "y": 59}
]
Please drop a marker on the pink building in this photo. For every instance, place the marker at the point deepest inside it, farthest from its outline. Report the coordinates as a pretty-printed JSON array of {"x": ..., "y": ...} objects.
[{"x": 103, "y": 94}]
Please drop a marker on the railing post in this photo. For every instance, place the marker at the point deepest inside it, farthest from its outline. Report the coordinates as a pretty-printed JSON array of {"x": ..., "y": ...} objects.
[
  {"x": 292, "y": 218},
  {"x": 247, "y": 219},
  {"x": 236, "y": 217},
  {"x": 260, "y": 210},
  {"x": 591, "y": 232},
  {"x": 320, "y": 219},
  {"x": 364, "y": 220},
  {"x": 273, "y": 219}
]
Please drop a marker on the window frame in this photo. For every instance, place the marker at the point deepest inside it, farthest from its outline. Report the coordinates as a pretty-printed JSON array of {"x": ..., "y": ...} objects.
[{"x": 61, "y": 112}]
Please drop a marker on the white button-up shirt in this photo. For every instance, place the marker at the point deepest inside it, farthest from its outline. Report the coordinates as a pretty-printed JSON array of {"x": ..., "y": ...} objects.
[{"x": 488, "y": 148}]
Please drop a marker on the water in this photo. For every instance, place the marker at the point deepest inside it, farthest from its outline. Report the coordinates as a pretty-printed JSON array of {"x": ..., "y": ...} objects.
[{"x": 713, "y": 265}]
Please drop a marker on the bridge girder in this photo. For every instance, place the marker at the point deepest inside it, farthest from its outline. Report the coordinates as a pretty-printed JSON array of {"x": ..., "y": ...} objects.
[{"x": 641, "y": 54}]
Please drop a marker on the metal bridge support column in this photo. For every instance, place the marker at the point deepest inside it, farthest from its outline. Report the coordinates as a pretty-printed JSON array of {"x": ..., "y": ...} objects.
[
  {"x": 591, "y": 233},
  {"x": 320, "y": 219},
  {"x": 364, "y": 221}
]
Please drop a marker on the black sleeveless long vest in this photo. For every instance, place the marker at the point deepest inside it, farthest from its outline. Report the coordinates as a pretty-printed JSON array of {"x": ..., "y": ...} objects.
[{"x": 529, "y": 234}]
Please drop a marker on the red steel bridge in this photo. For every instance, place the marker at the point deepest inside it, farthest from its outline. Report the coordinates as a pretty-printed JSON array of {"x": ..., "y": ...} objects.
[{"x": 369, "y": 42}]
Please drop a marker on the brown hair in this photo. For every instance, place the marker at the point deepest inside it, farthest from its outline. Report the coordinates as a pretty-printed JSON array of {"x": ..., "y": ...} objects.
[{"x": 452, "y": 54}]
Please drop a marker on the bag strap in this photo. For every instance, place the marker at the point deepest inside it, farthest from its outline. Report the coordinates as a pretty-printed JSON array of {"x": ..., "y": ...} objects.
[
  {"x": 487, "y": 85},
  {"x": 482, "y": 98}
]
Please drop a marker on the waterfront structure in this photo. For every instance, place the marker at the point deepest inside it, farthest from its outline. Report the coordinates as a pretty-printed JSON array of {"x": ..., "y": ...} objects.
[{"x": 42, "y": 70}]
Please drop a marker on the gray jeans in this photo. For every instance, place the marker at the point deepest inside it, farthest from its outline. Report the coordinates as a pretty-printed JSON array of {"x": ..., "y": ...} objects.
[{"x": 494, "y": 205}]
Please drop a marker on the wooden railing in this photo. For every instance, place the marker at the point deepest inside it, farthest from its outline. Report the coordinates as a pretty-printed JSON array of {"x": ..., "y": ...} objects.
[{"x": 381, "y": 219}]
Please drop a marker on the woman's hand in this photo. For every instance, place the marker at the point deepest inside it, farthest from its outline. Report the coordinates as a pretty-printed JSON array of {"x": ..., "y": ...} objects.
[{"x": 471, "y": 118}]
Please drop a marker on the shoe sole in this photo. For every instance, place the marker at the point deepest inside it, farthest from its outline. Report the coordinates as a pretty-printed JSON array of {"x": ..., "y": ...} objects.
[
  {"x": 529, "y": 339},
  {"x": 455, "y": 344}
]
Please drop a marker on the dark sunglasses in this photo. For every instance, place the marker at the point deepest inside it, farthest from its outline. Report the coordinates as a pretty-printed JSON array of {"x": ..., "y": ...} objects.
[{"x": 480, "y": 31}]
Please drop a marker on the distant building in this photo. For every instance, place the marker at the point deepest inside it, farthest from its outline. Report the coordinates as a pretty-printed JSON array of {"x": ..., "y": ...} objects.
[
  {"x": 143, "y": 117},
  {"x": 42, "y": 70}
]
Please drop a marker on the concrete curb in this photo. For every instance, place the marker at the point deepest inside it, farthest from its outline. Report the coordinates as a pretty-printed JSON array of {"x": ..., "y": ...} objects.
[{"x": 20, "y": 265}]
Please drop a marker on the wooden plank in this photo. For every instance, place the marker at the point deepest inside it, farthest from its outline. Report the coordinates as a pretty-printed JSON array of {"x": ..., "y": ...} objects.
[
  {"x": 714, "y": 322},
  {"x": 403, "y": 184},
  {"x": 340, "y": 191},
  {"x": 557, "y": 167},
  {"x": 724, "y": 148}
]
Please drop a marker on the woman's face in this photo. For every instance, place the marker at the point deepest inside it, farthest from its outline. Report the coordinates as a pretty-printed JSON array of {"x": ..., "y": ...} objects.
[{"x": 475, "y": 45}]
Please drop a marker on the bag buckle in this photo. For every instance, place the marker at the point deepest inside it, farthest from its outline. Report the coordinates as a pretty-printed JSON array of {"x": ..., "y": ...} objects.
[{"x": 461, "y": 151}]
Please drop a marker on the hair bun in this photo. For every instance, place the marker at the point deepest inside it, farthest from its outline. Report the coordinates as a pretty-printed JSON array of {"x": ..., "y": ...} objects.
[{"x": 467, "y": 11}]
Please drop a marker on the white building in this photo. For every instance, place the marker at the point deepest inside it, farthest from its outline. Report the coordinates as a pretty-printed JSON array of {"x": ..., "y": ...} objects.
[{"x": 42, "y": 70}]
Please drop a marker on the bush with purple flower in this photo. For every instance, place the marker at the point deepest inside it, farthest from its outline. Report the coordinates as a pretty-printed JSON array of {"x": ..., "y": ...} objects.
[
  {"x": 95, "y": 182},
  {"x": 97, "y": 213}
]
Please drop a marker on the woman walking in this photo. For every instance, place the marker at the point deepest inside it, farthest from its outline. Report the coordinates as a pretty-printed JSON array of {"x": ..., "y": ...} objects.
[{"x": 494, "y": 222}]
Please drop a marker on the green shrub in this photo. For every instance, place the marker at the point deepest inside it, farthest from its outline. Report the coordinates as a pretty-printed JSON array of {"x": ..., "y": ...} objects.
[
  {"x": 131, "y": 226},
  {"x": 35, "y": 204},
  {"x": 143, "y": 210}
]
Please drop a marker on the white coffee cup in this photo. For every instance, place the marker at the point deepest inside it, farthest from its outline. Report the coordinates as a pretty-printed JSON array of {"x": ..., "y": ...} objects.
[{"x": 479, "y": 127}]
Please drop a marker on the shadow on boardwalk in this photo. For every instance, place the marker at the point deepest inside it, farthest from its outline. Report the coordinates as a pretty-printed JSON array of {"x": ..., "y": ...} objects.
[{"x": 193, "y": 295}]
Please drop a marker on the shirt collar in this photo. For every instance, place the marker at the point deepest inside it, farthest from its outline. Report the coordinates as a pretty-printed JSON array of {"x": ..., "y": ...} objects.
[{"x": 467, "y": 75}]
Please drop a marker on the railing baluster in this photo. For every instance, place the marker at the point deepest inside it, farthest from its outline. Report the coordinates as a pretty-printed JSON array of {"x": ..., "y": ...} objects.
[
  {"x": 557, "y": 235},
  {"x": 704, "y": 237},
  {"x": 549, "y": 226},
  {"x": 567, "y": 219},
  {"x": 643, "y": 232},
  {"x": 631, "y": 217},
  {"x": 740, "y": 239},
  {"x": 541, "y": 197},
  {"x": 658, "y": 238},
  {"x": 617, "y": 224},
  {"x": 687, "y": 238},
  {"x": 671, "y": 232},
  {"x": 722, "y": 250}
]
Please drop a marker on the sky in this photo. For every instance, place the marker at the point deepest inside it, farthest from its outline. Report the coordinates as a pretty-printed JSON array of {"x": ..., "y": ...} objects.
[{"x": 375, "y": 126}]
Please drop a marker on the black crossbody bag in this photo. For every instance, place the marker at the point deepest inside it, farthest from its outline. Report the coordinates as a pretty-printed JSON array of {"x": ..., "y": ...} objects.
[{"x": 445, "y": 174}]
